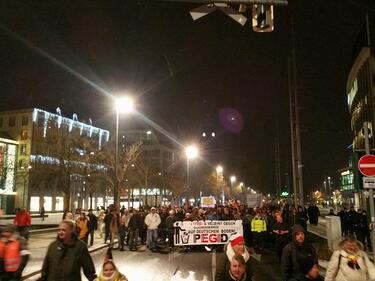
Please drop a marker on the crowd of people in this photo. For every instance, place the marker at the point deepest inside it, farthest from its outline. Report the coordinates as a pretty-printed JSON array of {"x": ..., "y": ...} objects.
[{"x": 282, "y": 228}]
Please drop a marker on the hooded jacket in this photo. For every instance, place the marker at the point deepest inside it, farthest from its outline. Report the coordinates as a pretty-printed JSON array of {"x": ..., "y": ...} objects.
[{"x": 295, "y": 251}]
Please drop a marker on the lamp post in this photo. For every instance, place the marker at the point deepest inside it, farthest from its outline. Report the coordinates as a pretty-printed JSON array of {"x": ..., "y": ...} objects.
[
  {"x": 191, "y": 152},
  {"x": 219, "y": 171},
  {"x": 232, "y": 180},
  {"x": 123, "y": 105}
]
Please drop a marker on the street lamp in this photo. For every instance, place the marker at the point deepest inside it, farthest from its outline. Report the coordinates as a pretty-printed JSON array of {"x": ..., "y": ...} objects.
[
  {"x": 219, "y": 171},
  {"x": 232, "y": 180},
  {"x": 241, "y": 186},
  {"x": 191, "y": 152},
  {"x": 122, "y": 105}
]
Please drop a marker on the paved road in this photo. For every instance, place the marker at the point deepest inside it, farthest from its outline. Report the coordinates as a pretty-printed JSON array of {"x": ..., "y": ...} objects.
[{"x": 179, "y": 266}]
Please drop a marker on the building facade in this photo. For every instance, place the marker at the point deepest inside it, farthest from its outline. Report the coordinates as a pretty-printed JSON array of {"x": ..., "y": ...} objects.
[
  {"x": 8, "y": 160},
  {"x": 146, "y": 182},
  {"x": 52, "y": 161},
  {"x": 361, "y": 100}
]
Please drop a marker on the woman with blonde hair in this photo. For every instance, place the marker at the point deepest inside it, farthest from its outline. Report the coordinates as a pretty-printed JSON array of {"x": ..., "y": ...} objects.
[
  {"x": 110, "y": 273},
  {"x": 350, "y": 263}
]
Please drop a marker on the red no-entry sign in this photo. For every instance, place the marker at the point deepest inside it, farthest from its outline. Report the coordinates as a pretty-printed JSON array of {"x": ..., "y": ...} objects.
[{"x": 366, "y": 165}]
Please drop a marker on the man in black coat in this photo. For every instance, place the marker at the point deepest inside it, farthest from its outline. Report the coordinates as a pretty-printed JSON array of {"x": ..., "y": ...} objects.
[
  {"x": 107, "y": 223},
  {"x": 294, "y": 251},
  {"x": 313, "y": 213},
  {"x": 92, "y": 225},
  {"x": 66, "y": 256},
  {"x": 135, "y": 225}
]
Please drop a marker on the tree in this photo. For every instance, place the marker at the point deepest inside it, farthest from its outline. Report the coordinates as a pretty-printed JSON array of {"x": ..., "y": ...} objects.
[{"x": 127, "y": 156}]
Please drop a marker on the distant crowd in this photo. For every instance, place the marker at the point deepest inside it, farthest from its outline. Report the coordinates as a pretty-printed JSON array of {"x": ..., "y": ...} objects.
[{"x": 279, "y": 227}]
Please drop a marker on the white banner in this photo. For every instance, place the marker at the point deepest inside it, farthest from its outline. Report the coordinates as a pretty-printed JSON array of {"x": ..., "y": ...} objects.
[
  {"x": 254, "y": 200},
  {"x": 205, "y": 232}
]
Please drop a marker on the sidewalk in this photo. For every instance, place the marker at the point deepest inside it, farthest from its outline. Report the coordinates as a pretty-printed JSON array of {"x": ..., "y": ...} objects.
[
  {"x": 38, "y": 245},
  {"x": 52, "y": 219}
]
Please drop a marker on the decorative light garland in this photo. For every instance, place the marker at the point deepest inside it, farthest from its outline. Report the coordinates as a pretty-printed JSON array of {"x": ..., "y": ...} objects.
[{"x": 70, "y": 123}]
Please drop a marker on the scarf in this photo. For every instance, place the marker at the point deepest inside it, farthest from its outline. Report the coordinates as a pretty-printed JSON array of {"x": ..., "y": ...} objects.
[
  {"x": 230, "y": 253},
  {"x": 115, "y": 277}
]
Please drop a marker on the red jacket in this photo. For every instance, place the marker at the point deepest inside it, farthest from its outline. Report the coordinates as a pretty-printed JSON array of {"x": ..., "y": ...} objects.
[{"x": 22, "y": 219}]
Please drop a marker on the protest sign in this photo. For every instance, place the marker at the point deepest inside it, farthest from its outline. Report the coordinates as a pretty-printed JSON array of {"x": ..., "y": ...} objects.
[
  {"x": 208, "y": 202},
  {"x": 205, "y": 232}
]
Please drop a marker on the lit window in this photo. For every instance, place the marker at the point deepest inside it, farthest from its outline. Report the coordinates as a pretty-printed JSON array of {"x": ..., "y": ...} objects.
[
  {"x": 25, "y": 120},
  {"x": 23, "y": 149},
  {"x": 12, "y": 121},
  {"x": 24, "y": 135}
]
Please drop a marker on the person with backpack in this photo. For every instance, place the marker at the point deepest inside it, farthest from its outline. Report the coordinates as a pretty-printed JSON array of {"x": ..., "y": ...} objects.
[{"x": 350, "y": 263}]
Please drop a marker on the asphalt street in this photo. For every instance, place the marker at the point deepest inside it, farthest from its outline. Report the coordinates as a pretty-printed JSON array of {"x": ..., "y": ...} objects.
[{"x": 179, "y": 265}]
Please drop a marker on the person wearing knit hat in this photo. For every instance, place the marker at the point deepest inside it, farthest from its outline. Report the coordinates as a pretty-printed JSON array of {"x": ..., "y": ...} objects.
[
  {"x": 235, "y": 246},
  {"x": 309, "y": 271},
  {"x": 294, "y": 251}
]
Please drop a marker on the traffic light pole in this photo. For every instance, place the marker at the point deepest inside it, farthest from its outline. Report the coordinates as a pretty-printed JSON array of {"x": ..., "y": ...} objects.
[{"x": 371, "y": 190}]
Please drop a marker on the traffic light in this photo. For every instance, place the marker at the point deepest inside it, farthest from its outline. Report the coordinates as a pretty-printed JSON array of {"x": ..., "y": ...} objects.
[{"x": 263, "y": 18}]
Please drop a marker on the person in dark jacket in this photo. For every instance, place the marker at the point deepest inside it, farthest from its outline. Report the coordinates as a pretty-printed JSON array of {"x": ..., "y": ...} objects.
[
  {"x": 344, "y": 226},
  {"x": 171, "y": 219},
  {"x": 135, "y": 225},
  {"x": 351, "y": 219},
  {"x": 92, "y": 225},
  {"x": 281, "y": 231},
  {"x": 107, "y": 223},
  {"x": 295, "y": 250},
  {"x": 313, "y": 213},
  {"x": 66, "y": 256},
  {"x": 237, "y": 270},
  {"x": 363, "y": 230},
  {"x": 309, "y": 271},
  {"x": 235, "y": 246}
]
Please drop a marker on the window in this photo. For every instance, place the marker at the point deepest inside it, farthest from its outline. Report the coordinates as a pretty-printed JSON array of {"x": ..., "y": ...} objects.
[
  {"x": 59, "y": 205},
  {"x": 23, "y": 149},
  {"x": 12, "y": 121},
  {"x": 1, "y": 122},
  {"x": 21, "y": 164},
  {"x": 34, "y": 203},
  {"x": 24, "y": 135},
  {"x": 25, "y": 120},
  {"x": 47, "y": 203}
]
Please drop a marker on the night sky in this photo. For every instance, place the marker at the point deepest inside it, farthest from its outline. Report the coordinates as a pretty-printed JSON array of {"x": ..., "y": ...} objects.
[{"x": 183, "y": 73}]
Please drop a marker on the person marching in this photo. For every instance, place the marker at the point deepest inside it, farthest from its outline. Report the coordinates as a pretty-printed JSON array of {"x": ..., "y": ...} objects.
[
  {"x": 258, "y": 228},
  {"x": 235, "y": 246},
  {"x": 350, "y": 263},
  {"x": 13, "y": 254}
]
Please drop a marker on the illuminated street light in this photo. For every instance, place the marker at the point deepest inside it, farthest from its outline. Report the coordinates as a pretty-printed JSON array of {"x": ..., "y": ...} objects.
[
  {"x": 219, "y": 169},
  {"x": 191, "y": 152},
  {"x": 232, "y": 180},
  {"x": 122, "y": 105}
]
